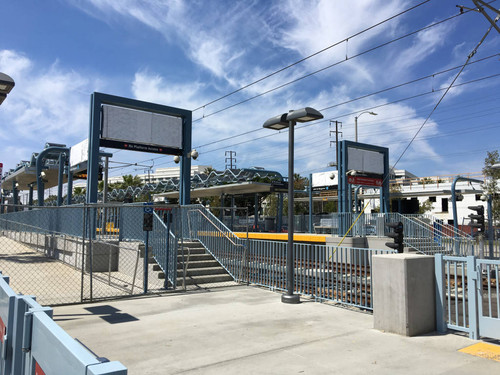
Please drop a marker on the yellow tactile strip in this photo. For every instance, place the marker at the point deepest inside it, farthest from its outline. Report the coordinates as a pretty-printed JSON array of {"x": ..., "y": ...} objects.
[
  {"x": 283, "y": 236},
  {"x": 483, "y": 350}
]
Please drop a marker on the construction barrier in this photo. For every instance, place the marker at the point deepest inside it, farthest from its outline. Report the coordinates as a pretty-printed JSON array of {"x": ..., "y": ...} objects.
[{"x": 33, "y": 344}]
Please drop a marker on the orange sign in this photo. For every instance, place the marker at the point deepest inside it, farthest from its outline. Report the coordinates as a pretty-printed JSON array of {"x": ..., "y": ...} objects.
[{"x": 38, "y": 369}]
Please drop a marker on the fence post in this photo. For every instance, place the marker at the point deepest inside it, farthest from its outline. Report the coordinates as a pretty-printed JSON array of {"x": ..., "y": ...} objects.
[
  {"x": 472, "y": 289},
  {"x": 441, "y": 325}
]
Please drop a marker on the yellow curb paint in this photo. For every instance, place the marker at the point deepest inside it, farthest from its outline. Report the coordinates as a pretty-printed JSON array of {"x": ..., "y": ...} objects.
[
  {"x": 483, "y": 350},
  {"x": 283, "y": 237}
]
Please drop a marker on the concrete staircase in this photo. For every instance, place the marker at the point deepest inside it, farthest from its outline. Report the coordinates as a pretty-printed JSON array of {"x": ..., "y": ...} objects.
[{"x": 202, "y": 270}]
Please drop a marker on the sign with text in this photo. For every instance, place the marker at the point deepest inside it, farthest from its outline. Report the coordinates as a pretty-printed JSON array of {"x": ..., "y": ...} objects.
[
  {"x": 365, "y": 181},
  {"x": 135, "y": 130},
  {"x": 366, "y": 161}
]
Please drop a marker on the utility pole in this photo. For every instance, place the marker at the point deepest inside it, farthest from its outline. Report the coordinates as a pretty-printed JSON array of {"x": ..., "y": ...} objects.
[
  {"x": 231, "y": 158},
  {"x": 336, "y": 139}
]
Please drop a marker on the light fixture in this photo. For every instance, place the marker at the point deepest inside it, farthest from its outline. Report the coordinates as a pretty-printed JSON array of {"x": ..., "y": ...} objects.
[
  {"x": 6, "y": 83},
  {"x": 356, "y": 123},
  {"x": 304, "y": 115},
  {"x": 288, "y": 120},
  {"x": 277, "y": 122}
]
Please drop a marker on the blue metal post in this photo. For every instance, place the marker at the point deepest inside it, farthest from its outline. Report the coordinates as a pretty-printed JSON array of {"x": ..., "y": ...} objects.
[
  {"x": 146, "y": 255},
  {"x": 167, "y": 248},
  {"x": 30, "y": 196},
  {"x": 94, "y": 141},
  {"x": 440, "y": 294},
  {"x": 62, "y": 159},
  {"x": 256, "y": 213},
  {"x": 185, "y": 183},
  {"x": 472, "y": 280},
  {"x": 280, "y": 212},
  {"x": 70, "y": 186},
  {"x": 311, "y": 207},
  {"x": 490, "y": 225},
  {"x": 14, "y": 193}
]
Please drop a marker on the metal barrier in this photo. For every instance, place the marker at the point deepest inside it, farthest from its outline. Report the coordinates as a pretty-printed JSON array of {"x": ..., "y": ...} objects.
[
  {"x": 165, "y": 246},
  {"x": 32, "y": 343},
  {"x": 332, "y": 273},
  {"x": 468, "y": 295},
  {"x": 219, "y": 241},
  {"x": 87, "y": 262}
]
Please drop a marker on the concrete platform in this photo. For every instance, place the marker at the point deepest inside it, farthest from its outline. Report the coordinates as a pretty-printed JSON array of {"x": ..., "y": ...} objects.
[{"x": 247, "y": 330}]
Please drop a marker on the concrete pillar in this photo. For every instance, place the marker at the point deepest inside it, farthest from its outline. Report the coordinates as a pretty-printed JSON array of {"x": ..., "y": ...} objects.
[{"x": 404, "y": 294}]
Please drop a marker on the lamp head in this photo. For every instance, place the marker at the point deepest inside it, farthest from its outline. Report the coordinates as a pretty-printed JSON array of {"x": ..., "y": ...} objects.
[{"x": 277, "y": 122}]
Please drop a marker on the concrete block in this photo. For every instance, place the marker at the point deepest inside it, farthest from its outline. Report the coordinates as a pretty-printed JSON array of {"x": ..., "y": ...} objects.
[{"x": 404, "y": 294}]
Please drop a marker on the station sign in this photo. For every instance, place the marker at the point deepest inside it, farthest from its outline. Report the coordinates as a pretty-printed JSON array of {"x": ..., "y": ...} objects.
[{"x": 365, "y": 181}]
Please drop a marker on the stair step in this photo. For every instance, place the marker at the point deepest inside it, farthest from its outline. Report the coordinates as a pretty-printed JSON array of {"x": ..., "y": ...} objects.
[
  {"x": 205, "y": 279},
  {"x": 200, "y": 264},
  {"x": 194, "y": 257},
  {"x": 192, "y": 250}
]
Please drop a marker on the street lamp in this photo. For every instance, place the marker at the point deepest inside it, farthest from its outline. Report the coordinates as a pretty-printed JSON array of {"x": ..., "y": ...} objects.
[
  {"x": 6, "y": 85},
  {"x": 356, "y": 123},
  {"x": 289, "y": 120}
]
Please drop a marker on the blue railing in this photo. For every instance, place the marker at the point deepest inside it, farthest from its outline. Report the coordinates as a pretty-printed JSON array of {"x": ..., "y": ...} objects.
[
  {"x": 34, "y": 342},
  {"x": 164, "y": 244},
  {"x": 323, "y": 272},
  {"x": 217, "y": 239}
]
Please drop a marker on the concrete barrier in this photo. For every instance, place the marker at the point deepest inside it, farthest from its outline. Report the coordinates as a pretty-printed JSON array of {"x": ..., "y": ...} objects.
[{"x": 404, "y": 294}]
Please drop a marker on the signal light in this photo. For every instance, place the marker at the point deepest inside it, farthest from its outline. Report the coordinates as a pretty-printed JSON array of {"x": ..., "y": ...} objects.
[
  {"x": 397, "y": 235},
  {"x": 479, "y": 218}
]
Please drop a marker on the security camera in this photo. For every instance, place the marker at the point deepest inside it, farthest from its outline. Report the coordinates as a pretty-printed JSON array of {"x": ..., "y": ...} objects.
[
  {"x": 194, "y": 154},
  {"x": 484, "y": 198},
  {"x": 332, "y": 176},
  {"x": 177, "y": 159}
]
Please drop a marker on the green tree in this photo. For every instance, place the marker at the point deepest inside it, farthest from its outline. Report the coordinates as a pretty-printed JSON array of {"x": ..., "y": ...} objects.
[
  {"x": 490, "y": 185},
  {"x": 425, "y": 207},
  {"x": 79, "y": 190}
]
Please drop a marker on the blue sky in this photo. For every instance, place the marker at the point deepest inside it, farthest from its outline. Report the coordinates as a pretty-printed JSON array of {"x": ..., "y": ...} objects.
[{"x": 188, "y": 53}]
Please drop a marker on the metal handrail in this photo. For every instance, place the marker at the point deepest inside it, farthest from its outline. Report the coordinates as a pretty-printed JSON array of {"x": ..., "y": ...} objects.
[
  {"x": 458, "y": 232},
  {"x": 215, "y": 226}
]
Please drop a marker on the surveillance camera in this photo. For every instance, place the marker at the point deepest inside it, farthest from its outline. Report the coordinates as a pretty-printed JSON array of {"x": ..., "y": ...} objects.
[
  {"x": 332, "y": 176},
  {"x": 194, "y": 154},
  {"x": 177, "y": 159},
  {"x": 484, "y": 198}
]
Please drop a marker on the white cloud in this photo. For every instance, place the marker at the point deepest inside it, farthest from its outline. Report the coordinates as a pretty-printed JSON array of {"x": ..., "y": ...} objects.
[{"x": 46, "y": 105}]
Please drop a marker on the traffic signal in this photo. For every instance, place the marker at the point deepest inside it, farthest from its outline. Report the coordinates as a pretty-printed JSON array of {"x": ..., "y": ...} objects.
[
  {"x": 479, "y": 218},
  {"x": 398, "y": 236}
]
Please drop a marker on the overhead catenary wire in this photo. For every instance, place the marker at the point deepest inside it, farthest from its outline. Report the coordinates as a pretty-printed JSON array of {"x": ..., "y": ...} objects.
[
  {"x": 311, "y": 55},
  {"x": 274, "y": 134},
  {"x": 328, "y": 67}
]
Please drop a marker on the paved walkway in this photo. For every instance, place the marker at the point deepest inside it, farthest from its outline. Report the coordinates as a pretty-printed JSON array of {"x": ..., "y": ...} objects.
[{"x": 247, "y": 330}]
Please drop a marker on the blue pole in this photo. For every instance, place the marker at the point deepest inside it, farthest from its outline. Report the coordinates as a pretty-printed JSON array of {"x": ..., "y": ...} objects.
[
  {"x": 311, "y": 207},
  {"x": 94, "y": 142},
  {"x": 146, "y": 255},
  {"x": 60, "y": 180},
  {"x": 185, "y": 183},
  {"x": 490, "y": 225}
]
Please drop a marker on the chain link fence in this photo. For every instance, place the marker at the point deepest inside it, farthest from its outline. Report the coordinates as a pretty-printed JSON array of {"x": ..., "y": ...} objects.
[{"x": 85, "y": 253}]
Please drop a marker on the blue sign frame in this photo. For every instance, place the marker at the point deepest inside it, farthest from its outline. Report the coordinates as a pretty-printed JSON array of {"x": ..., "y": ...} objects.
[{"x": 97, "y": 100}]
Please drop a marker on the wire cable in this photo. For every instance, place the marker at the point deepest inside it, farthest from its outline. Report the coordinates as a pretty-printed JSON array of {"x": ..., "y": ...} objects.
[{"x": 310, "y": 56}]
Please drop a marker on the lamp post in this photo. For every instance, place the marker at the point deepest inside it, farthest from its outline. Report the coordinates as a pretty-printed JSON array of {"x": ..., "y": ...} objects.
[
  {"x": 6, "y": 85},
  {"x": 356, "y": 123},
  {"x": 280, "y": 122}
]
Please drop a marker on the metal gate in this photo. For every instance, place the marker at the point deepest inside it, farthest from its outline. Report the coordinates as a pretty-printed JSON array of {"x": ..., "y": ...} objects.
[
  {"x": 488, "y": 298},
  {"x": 468, "y": 295}
]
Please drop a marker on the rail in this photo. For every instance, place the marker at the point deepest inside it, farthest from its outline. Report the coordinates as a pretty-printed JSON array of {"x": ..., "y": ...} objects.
[{"x": 217, "y": 239}]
